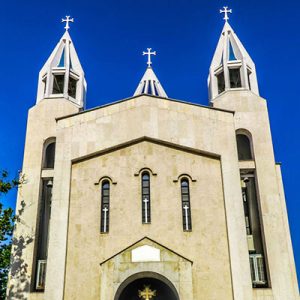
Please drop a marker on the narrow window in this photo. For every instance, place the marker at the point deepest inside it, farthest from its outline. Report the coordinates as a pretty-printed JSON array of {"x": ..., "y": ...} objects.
[
  {"x": 49, "y": 156},
  {"x": 72, "y": 87},
  {"x": 43, "y": 232},
  {"x": 146, "y": 213},
  {"x": 235, "y": 78},
  {"x": 244, "y": 147},
  {"x": 249, "y": 79},
  {"x": 256, "y": 248},
  {"x": 186, "y": 205},
  {"x": 58, "y": 84},
  {"x": 44, "y": 80},
  {"x": 221, "y": 82},
  {"x": 105, "y": 206}
]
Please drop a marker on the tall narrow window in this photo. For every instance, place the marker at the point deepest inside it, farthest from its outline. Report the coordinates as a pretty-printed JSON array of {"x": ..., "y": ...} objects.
[
  {"x": 256, "y": 249},
  {"x": 105, "y": 194},
  {"x": 72, "y": 87},
  {"x": 221, "y": 82},
  {"x": 235, "y": 78},
  {"x": 43, "y": 232},
  {"x": 186, "y": 205},
  {"x": 49, "y": 155},
  {"x": 244, "y": 147},
  {"x": 249, "y": 78},
  {"x": 146, "y": 208}
]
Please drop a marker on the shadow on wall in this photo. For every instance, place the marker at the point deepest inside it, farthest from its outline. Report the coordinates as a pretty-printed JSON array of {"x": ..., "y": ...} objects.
[{"x": 19, "y": 284}]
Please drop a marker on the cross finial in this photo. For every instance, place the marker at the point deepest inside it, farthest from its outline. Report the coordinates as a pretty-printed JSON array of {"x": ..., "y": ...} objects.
[
  {"x": 67, "y": 20},
  {"x": 226, "y": 11},
  {"x": 149, "y": 53},
  {"x": 147, "y": 293}
]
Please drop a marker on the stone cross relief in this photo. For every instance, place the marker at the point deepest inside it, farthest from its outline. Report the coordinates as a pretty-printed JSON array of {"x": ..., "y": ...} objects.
[
  {"x": 225, "y": 11},
  {"x": 147, "y": 293},
  {"x": 186, "y": 217},
  {"x": 149, "y": 53},
  {"x": 146, "y": 209},
  {"x": 67, "y": 20},
  {"x": 105, "y": 210}
]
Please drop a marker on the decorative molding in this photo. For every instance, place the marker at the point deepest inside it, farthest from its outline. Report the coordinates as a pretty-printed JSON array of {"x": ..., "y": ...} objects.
[
  {"x": 145, "y": 169},
  {"x": 103, "y": 178},
  {"x": 184, "y": 175}
]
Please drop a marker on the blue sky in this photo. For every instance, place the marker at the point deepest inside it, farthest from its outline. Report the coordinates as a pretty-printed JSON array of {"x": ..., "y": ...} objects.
[{"x": 110, "y": 36}]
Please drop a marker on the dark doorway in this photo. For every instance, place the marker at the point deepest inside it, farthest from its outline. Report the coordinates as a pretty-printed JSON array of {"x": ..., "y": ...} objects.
[{"x": 154, "y": 288}]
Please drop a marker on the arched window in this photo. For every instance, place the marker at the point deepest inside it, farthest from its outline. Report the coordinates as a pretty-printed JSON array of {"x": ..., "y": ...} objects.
[
  {"x": 244, "y": 147},
  {"x": 105, "y": 189},
  {"x": 146, "y": 211},
  {"x": 49, "y": 155},
  {"x": 186, "y": 205}
]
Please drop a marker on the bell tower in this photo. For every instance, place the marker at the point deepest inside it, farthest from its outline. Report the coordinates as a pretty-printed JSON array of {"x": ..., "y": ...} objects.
[
  {"x": 262, "y": 249},
  {"x": 61, "y": 92},
  {"x": 62, "y": 75},
  {"x": 232, "y": 67}
]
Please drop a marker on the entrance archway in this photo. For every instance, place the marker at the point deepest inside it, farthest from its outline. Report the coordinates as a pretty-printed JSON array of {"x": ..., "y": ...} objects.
[{"x": 143, "y": 286}]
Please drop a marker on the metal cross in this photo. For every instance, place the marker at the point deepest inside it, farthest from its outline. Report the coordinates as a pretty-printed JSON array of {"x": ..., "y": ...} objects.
[
  {"x": 149, "y": 53},
  {"x": 105, "y": 210},
  {"x": 67, "y": 20},
  {"x": 146, "y": 209},
  {"x": 147, "y": 293},
  {"x": 186, "y": 217},
  {"x": 225, "y": 11}
]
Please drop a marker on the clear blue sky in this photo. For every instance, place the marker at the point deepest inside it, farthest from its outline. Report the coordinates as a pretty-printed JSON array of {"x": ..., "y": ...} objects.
[{"x": 109, "y": 37}]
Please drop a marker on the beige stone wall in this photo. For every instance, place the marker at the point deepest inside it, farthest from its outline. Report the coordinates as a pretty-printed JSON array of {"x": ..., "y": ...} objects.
[
  {"x": 186, "y": 125},
  {"x": 87, "y": 248}
]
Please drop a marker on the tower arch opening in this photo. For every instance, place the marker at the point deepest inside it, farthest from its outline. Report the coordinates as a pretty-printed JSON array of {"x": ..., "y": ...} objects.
[{"x": 147, "y": 285}]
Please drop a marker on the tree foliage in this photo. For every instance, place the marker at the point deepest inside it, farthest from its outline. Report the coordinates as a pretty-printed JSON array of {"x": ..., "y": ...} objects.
[{"x": 6, "y": 229}]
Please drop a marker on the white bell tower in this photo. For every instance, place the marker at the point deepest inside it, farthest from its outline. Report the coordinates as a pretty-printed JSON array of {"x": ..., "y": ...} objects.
[
  {"x": 232, "y": 67},
  {"x": 62, "y": 75}
]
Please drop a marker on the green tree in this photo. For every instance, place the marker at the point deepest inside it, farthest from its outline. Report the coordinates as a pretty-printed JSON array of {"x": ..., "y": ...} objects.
[{"x": 6, "y": 229}]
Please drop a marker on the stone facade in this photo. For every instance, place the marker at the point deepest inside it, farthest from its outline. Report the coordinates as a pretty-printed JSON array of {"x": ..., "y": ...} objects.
[{"x": 172, "y": 140}]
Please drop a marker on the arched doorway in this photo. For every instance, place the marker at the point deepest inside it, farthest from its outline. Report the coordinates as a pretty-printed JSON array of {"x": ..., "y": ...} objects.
[{"x": 146, "y": 286}]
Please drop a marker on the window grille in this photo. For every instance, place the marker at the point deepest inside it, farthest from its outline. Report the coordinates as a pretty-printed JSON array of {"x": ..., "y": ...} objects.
[
  {"x": 146, "y": 207},
  {"x": 41, "y": 275},
  {"x": 105, "y": 198},
  {"x": 258, "y": 270},
  {"x": 186, "y": 205}
]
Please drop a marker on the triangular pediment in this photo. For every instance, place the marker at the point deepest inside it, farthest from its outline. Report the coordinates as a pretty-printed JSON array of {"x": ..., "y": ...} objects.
[{"x": 147, "y": 250}]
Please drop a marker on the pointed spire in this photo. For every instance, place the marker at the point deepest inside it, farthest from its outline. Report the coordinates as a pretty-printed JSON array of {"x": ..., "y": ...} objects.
[
  {"x": 149, "y": 83},
  {"x": 62, "y": 75},
  {"x": 236, "y": 70}
]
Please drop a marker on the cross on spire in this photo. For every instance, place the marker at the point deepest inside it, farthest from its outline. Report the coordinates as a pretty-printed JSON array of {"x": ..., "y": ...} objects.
[
  {"x": 226, "y": 11},
  {"x": 67, "y": 20},
  {"x": 149, "y": 53}
]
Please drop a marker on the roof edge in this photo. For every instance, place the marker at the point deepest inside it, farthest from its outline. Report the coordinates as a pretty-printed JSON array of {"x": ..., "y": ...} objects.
[{"x": 144, "y": 95}]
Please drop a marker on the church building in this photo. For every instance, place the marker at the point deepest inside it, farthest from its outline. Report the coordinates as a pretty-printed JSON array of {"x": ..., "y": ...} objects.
[{"x": 149, "y": 197}]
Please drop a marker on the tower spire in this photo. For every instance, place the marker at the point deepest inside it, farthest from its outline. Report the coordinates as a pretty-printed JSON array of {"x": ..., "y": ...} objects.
[
  {"x": 149, "y": 83},
  {"x": 62, "y": 75},
  {"x": 232, "y": 67}
]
